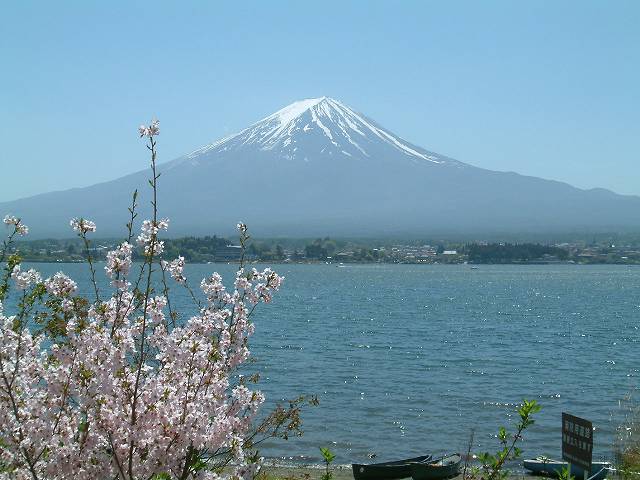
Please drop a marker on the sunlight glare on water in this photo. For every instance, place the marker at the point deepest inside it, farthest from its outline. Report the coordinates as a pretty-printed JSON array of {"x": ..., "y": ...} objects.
[{"x": 407, "y": 359}]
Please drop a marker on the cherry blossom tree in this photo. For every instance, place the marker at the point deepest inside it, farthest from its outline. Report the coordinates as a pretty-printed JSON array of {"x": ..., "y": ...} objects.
[{"x": 120, "y": 386}]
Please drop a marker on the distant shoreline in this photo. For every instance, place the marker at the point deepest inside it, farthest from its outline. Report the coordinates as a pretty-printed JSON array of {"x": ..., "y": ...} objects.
[
  {"x": 348, "y": 264},
  {"x": 348, "y": 252}
]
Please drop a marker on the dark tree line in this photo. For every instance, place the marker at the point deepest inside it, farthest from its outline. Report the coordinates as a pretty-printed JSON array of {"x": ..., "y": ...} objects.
[{"x": 510, "y": 253}]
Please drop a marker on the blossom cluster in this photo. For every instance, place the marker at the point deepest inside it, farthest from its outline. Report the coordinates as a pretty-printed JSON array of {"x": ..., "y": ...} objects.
[
  {"x": 175, "y": 269},
  {"x": 111, "y": 388},
  {"x": 60, "y": 285},
  {"x": 70, "y": 412},
  {"x": 19, "y": 227},
  {"x": 148, "y": 237},
  {"x": 82, "y": 225},
  {"x": 25, "y": 280},
  {"x": 119, "y": 264},
  {"x": 151, "y": 130}
]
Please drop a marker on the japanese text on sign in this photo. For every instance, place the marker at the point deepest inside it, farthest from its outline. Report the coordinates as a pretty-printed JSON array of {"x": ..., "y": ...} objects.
[{"x": 577, "y": 441}]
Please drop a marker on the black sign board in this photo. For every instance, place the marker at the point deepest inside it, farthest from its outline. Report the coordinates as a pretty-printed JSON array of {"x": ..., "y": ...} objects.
[{"x": 577, "y": 441}]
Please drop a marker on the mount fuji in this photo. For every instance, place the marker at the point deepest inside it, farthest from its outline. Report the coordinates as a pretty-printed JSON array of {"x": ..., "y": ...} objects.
[{"x": 318, "y": 167}]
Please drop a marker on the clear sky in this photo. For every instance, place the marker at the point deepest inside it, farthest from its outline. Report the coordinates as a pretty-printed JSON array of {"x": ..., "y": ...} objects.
[{"x": 544, "y": 88}]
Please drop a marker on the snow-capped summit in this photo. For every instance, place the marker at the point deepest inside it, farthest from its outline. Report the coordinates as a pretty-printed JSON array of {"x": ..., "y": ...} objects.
[{"x": 320, "y": 127}]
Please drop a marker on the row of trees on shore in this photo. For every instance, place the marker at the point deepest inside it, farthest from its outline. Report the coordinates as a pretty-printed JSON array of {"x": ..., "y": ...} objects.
[{"x": 216, "y": 249}]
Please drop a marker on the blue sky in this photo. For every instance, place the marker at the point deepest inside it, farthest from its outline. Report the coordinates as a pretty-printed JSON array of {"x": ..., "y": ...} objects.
[{"x": 543, "y": 88}]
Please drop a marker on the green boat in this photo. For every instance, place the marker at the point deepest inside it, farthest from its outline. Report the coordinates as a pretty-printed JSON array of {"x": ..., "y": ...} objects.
[
  {"x": 438, "y": 469},
  {"x": 386, "y": 470}
]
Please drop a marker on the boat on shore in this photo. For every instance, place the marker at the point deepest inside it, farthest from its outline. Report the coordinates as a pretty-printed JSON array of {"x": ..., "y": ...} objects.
[
  {"x": 551, "y": 467},
  {"x": 447, "y": 466},
  {"x": 387, "y": 470}
]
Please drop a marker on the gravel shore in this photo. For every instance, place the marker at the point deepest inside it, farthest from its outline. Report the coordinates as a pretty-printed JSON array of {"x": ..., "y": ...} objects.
[{"x": 340, "y": 472}]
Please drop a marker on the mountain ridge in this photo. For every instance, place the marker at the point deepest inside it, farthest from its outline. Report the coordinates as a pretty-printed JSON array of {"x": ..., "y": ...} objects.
[{"x": 319, "y": 167}]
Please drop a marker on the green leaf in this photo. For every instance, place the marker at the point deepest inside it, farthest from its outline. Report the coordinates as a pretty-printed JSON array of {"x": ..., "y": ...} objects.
[
  {"x": 161, "y": 476},
  {"x": 327, "y": 454}
]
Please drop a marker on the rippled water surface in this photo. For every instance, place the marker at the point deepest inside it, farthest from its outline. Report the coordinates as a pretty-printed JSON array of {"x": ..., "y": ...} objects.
[{"x": 408, "y": 359}]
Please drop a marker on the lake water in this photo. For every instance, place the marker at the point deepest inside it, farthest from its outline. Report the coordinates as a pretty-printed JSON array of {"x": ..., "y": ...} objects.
[{"x": 407, "y": 359}]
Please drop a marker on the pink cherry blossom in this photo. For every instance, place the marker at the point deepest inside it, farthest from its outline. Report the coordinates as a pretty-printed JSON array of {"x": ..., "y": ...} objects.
[
  {"x": 175, "y": 269},
  {"x": 19, "y": 227},
  {"x": 151, "y": 130},
  {"x": 25, "y": 280},
  {"x": 110, "y": 388},
  {"x": 82, "y": 225},
  {"x": 148, "y": 237},
  {"x": 185, "y": 398},
  {"x": 119, "y": 264},
  {"x": 60, "y": 285}
]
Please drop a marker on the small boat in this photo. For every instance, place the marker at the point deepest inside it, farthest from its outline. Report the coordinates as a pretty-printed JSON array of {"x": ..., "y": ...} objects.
[
  {"x": 386, "y": 470},
  {"x": 549, "y": 466},
  {"x": 440, "y": 468},
  {"x": 600, "y": 475}
]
